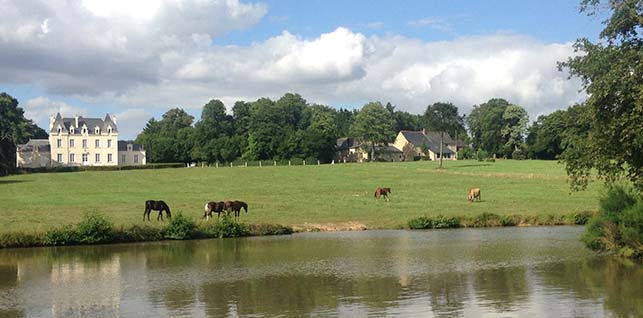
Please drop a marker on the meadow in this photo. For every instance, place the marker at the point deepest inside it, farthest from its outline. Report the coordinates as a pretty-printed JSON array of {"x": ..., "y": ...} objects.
[{"x": 307, "y": 197}]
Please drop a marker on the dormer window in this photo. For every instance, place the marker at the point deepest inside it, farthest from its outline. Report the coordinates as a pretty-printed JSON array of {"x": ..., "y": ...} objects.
[
  {"x": 59, "y": 130},
  {"x": 97, "y": 130},
  {"x": 84, "y": 131},
  {"x": 71, "y": 130},
  {"x": 109, "y": 130}
]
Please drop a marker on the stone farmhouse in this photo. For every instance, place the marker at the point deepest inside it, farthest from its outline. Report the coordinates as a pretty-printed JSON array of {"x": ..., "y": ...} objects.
[
  {"x": 80, "y": 141},
  {"x": 408, "y": 145}
]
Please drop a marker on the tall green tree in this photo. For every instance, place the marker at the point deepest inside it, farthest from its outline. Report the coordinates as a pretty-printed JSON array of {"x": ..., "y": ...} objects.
[
  {"x": 612, "y": 76},
  {"x": 170, "y": 139},
  {"x": 374, "y": 125},
  {"x": 14, "y": 129},
  {"x": 544, "y": 138},
  {"x": 443, "y": 117},
  {"x": 497, "y": 126}
]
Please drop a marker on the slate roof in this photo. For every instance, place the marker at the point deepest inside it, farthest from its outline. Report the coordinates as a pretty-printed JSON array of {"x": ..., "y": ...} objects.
[
  {"x": 347, "y": 143},
  {"x": 430, "y": 138},
  {"x": 122, "y": 146},
  {"x": 91, "y": 123},
  {"x": 41, "y": 145}
]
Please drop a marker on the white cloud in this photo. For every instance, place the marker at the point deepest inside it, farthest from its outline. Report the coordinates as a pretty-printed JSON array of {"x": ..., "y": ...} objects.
[
  {"x": 39, "y": 110},
  {"x": 131, "y": 122},
  {"x": 168, "y": 59}
]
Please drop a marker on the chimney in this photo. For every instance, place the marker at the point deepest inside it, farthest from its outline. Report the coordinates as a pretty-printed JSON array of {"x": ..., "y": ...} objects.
[
  {"x": 52, "y": 119},
  {"x": 114, "y": 119},
  {"x": 76, "y": 121}
]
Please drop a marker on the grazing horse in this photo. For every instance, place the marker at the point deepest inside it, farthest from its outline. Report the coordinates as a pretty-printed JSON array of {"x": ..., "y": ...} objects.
[
  {"x": 213, "y": 207},
  {"x": 473, "y": 194},
  {"x": 382, "y": 192},
  {"x": 236, "y": 208},
  {"x": 156, "y": 206},
  {"x": 227, "y": 206}
]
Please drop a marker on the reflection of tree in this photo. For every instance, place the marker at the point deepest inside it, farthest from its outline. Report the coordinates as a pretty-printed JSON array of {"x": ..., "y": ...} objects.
[
  {"x": 616, "y": 281},
  {"x": 8, "y": 281},
  {"x": 504, "y": 288},
  {"x": 448, "y": 293}
]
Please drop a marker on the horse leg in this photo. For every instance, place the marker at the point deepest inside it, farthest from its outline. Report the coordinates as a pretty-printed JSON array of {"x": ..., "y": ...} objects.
[{"x": 160, "y": 215}]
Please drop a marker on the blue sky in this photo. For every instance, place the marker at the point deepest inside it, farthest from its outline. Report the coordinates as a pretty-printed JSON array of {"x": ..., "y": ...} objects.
[{"x": 139, "y": 59}]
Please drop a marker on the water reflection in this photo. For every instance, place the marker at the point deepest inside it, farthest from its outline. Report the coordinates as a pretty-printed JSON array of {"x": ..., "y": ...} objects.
[{"x": 498, "y": 272}]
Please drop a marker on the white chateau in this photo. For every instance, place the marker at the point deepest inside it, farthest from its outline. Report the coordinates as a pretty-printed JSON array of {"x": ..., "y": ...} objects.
[{"x": 79, "y": 141}]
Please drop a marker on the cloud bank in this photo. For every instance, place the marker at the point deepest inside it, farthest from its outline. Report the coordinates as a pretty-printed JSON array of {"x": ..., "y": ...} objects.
[{"x": 162, "y": 54}]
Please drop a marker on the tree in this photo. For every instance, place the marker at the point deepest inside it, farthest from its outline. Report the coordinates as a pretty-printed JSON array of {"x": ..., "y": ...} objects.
[
  {"x": 544, "y": 140},
  {"x": 14, "y": 129},
  {"x": 169, "y": 140},
  {"x": 612, "y": 76},
  {"x": 374, "y": 125},
  {"x": 443, "y": 117},
  {"x": 497, "y": 126}
]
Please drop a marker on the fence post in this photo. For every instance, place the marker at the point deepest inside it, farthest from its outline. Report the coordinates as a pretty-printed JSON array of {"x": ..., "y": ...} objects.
[
  {"x": 288, "y": 163},
  {"x": 230, "y": 164},
  {"x": 217, "y": 164},
  {"x": 259, "y": 163},
  {"x": 304, "y": 162},
  {"x": 246, "y": 163},
  {"x": 275, "y": 163},
  {"x": 318, "y": 162},
  {"x": 332, "y": 162}
]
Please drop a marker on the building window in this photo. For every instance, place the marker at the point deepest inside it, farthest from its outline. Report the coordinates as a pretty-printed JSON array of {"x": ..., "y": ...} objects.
[
  {"x": 135, "y": 158},
  {"x": 97, "y": 157},
  {"x": 72, "y": 158},
  {"x": 123, "y": 158},
  {"x": 109, "y": 130},
  {"x": 84, "y": 143},
  {"x": 59, "y": 131},
  {"x": 59, "y": 143},
  {"x": 109, "y": 157},
  {"x": 85, "y": 158},
  {"x": 97, "y": 130},
  {"x": 84, "y": 131},
  {"x": 71, "y": 143},
  {"x": 97, "y": 143},
  {"x": 71, "y": 131},
  {"x": 60, "y": 157},
  {"x": 109, "y": 143}
]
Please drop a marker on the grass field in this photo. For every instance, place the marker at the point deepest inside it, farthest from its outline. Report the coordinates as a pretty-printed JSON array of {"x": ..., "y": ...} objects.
[{"x": 300, "y": 196}]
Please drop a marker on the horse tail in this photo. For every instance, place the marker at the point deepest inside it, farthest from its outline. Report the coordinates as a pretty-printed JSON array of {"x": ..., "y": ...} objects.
[
  {"x": 205, "y": 208},
  {"x": 169, "y": 214}
]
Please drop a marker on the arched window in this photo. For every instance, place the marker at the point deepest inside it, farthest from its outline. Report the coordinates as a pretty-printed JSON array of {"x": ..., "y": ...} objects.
[
  {"x": 97, "y": 130},
  {"x": 71, "y": 130}
]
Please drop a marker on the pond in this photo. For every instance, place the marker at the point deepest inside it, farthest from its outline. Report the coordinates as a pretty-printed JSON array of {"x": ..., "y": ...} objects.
[{"x": 498, "y": 272}]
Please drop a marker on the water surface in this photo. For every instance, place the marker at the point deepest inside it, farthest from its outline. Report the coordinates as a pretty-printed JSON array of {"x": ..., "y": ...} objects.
[{"x": 500, "y": 272}]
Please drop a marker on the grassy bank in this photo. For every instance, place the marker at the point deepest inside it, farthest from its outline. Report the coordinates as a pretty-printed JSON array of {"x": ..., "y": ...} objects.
[
  {"x": 304, "y": 197},
  {"x": 95, "y": 228}
]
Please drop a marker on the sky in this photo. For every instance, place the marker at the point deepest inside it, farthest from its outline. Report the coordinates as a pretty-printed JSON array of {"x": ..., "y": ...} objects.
[{"x": 138, "y": 59}]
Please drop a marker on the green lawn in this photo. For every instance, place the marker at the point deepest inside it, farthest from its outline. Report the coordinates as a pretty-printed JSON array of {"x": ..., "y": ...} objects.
[{"x": 297, "y": 195}]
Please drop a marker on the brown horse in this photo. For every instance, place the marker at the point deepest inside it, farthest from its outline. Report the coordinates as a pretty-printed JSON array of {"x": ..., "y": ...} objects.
[
  {"x": 473, "y": 194},
  {"x": 227, "y": 206},
  {"x": 382, "y": 192},
  {"x": 213, "y": 207},
  {"x": 237, "y": 206},
  {"x": 156, "y": 206}
]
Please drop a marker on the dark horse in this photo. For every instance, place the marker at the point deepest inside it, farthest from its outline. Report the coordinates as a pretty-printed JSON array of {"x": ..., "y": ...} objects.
[
  {"x": 236, "y": 208},
  {"x": 156, "y": 206},
  {"x": 213, "y": 207},
  {"x": 382, "y": 192}
]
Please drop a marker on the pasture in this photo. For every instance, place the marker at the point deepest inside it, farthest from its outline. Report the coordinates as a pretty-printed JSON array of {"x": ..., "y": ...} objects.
[{"x": 300, "y": 196}]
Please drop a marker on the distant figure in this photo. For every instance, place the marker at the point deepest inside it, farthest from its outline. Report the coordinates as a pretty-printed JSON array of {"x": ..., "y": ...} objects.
[
  {"x": 213, "y": 207},
  {"x": 473, "y": 194},
  {"x": 237, "y": 206},
  {"x": 156, "y": 206},
  {"x": 382, "y": 192}
]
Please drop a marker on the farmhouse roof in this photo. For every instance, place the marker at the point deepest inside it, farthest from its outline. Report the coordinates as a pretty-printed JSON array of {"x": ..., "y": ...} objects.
[
  {"x": 430, "y": 139},
  {"x": 347, "y": 143}
]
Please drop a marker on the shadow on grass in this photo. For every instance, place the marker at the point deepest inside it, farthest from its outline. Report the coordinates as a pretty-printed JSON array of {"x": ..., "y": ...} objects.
[
  {"x": 12, "y": 181},
  {"x": 471, "y": 165}
]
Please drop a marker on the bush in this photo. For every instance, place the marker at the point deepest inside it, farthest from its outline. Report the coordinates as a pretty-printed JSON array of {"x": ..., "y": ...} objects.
[
  {"x": 18, "y": 239},
  {"x": 180, "y": 228},
  {"x": 618, "y": 227},
  {"x": 439, "y": 222},
  {"x": 580, "y": 218},
  {"x": 94, "y": 228},
  {"x": 141, "y": 233},
  {"x": 486, "y": 219},
  {"x": 226, "y": 227},
  {"x": 518, "y": 154},
  {"x": 481, "y": 155},
  {"x": 62, "y": 236}
]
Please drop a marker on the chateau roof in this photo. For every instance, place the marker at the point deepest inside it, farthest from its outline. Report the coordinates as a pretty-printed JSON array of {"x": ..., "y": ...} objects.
[
  {"x": 67, "y": 123},
  {"x": 122, "y": 146},
  {"x": 41, "y": 145}
]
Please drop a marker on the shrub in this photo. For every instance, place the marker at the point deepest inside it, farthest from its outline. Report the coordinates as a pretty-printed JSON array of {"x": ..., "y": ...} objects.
[
  {"x": 481, "y": 155},
  {"x": 226, "y": 227},
  {"x": 486, "y": 219},
  {"x": 180, "y": 228},
  {"x": 618, "y": 227},
  {"x": 141, "y": 233},
  {"x": 509, "y": 220},
  {"x": 62, "y": 236},
  {"x": 580, "y": 218},
  {"x": 518, "y": 154},
  {"x": 420, "y": 223},
  {"x": 269, "y": 229},
  {"x": 18, "y": 239},
  {"x": 94, "y": 228}
]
